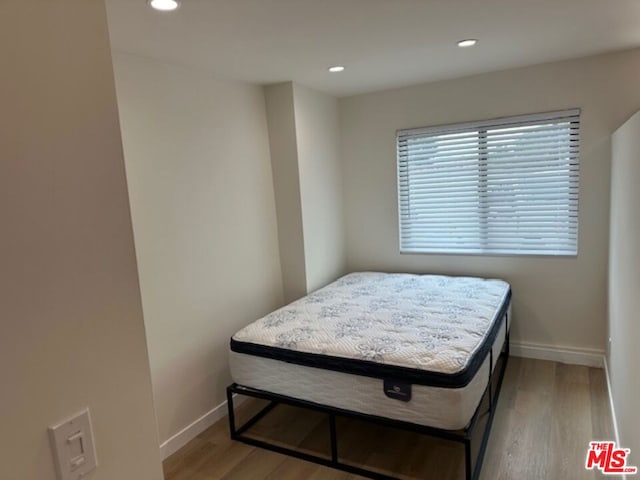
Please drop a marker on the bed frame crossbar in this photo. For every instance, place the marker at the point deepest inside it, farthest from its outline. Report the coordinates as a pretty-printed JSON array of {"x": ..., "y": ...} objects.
[{"x": 465, "y": 437}]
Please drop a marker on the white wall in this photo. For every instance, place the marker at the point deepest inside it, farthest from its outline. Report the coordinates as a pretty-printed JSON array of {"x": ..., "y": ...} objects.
[
  {"x": 71, "y": 319},
  {"x": 304, "y": 136},
  {"x": 557, "y": 301},
  {"x": 199, "y": 173},
  {"x": 624, "y": 283},
  {"x": 283, "y": 145},
  {"x": 319, "y": 164}
]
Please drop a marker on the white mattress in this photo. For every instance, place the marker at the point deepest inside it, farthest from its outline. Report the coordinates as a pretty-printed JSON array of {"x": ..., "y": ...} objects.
[{"x": 336, "y": 346}]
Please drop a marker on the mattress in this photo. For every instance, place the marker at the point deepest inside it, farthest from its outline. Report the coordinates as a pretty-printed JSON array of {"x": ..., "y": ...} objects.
[{"x": 410, "y": 347}]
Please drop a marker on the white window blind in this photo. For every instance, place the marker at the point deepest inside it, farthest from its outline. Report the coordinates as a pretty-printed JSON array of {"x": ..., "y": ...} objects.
[{"x": 504, "y": 186}]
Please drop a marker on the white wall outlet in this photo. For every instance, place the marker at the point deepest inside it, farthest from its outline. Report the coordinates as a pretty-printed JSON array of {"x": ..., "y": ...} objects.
[{"x": 73, "y": 448}]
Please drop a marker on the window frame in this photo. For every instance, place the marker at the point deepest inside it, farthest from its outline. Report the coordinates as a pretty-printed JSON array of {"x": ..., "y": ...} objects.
[{"x": 483, "y": 165}]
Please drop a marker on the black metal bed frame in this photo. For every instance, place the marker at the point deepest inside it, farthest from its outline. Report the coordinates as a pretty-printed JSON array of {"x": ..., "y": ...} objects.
[{"x": 465, "y": 436}]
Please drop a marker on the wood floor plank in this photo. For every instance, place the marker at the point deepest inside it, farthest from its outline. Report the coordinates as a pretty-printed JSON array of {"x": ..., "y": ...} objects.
[
  {"x": 546, "y": 415},
  {"x": 571, "y": 422},
  {"x": 527, "y": 421},
  {"x": 258, "y": 464},
  {"x": 182, "y": 464}
]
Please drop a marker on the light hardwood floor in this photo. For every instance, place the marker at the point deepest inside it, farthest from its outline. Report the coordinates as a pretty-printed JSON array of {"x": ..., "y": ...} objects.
[{"x": 547, "y": 414}]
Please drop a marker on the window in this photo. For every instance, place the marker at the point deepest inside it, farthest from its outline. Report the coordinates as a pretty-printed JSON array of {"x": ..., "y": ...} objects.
[{"x": 505, "y": 186}]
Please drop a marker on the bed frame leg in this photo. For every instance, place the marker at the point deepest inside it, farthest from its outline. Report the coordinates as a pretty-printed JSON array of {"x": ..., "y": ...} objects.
[
  {"x": 491, "y": 380},
  {"x": 468, "y": 472},
  {"x": 334, "y": 437},
  {"x": 506, "y": 333},
  {"x": 232, "y": 416}
]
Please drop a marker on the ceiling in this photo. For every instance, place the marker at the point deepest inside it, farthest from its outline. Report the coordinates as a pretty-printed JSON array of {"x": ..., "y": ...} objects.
[{"x": 383, "y": 43}]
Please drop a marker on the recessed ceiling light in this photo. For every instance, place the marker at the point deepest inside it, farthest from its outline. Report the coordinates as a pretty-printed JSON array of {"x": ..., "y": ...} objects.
[
  {"x": 469, "y": 42},
  {"x": 336, "y": 69},
  {"x": 164, "y": 5}
]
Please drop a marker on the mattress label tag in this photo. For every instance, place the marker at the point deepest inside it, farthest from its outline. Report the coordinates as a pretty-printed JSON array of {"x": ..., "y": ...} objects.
[{"x": 397, "y": 390}]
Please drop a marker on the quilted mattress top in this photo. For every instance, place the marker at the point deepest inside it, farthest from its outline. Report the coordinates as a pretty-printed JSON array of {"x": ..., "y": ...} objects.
[{"x": 424, "y": 327}]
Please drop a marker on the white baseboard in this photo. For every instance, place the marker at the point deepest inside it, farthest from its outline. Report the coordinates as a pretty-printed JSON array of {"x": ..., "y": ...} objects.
[
  {"x": 188, "y": 433},
  {"x": 614, "y": 419},
  {"x": 611, "y": 406},
  {"x": 572, "y": 356}
]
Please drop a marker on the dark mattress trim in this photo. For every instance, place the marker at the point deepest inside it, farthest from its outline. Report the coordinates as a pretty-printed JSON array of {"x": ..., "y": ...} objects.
[{"x": 368, "y": 368}]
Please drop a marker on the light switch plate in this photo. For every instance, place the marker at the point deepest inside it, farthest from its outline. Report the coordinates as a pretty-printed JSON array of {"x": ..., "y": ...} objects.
[{"x": 73, "y": 447}]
